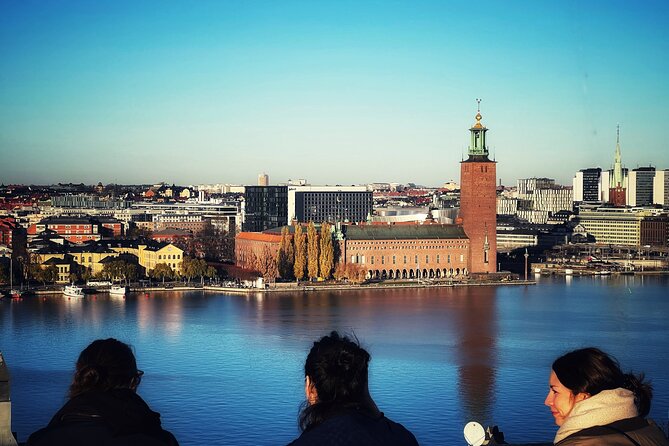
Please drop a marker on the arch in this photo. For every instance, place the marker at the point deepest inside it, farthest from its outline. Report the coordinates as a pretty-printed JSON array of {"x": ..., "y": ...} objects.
[
  {"x": 450, "y": 272},
  {"x": 431, "y": 273},
  {"x": 404, "y": 274},
  {"x": 391, "y": 274},
  {"x": 384, "y": 275},
  {"x": 424, "y": 273},
  {"x": 465, "y": 272},
  {"x": 411, "y": 274},
  {"x": 457, "y": 271},
  {"x": 369, "y": 274}
]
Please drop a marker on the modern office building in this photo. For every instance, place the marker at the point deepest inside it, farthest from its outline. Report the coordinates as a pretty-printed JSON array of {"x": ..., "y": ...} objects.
[
  {"x": 640, "y": 186},
  {"x": 265, "y": 207},
  {"x": 624, "y": 226},
  {"x": 587, "y": 185},
  {"x": 661, "y": 188},
  {"x": 329, "y": 203},
  {"x": 263, "y": 179}
]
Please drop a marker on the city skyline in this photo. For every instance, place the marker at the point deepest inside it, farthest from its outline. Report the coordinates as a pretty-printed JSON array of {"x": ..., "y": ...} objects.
[{"x": 337, "y": 93}]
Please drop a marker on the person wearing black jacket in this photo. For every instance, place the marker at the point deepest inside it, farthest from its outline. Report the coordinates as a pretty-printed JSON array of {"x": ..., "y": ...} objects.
[
  {"x": 104, "y": 408},
  {"x": 339, "y": 409}
]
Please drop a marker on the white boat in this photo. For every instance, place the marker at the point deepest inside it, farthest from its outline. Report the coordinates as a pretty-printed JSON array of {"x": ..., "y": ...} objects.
[
  {"x": 569, "y": 271},
  {"x": 119, "y": 290},
  {"x": 73, "y": 291}
]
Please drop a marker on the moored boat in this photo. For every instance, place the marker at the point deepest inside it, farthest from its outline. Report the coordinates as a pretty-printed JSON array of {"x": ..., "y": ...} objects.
[
  {"x": 118, "y": 290},
  {"x": 73, "y": 291}
]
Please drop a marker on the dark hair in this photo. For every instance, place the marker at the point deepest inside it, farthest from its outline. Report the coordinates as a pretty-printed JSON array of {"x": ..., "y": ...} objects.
[
  {"x": 590, "y": 370},
  {"x": 104, "y": 365},
  {"x": 337, "y": 367}
]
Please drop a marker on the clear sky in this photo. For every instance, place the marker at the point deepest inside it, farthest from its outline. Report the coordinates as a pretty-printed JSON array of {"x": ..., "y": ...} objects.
[{"x": 340, "y": 92}]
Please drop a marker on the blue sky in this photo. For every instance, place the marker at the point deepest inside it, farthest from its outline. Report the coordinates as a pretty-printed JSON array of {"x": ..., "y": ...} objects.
[{"x": 341, "y": 92}]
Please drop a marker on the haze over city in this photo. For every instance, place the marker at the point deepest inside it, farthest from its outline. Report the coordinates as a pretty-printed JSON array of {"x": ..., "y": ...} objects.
[{"x": 334, "y": 92}]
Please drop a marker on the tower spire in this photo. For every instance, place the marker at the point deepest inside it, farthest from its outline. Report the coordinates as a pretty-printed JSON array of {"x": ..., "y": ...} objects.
[
  {"x": 478, "y": 148},
  {"x": 617, "y": 163}
]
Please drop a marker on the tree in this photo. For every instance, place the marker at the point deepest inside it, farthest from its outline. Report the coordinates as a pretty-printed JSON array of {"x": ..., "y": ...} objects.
[
  {"x": 300, "y": 264},
  {"x": 161, "y": 271},
  {"x": 120, "y": 269},
  {"x": 266, "y": 264},
  {"x": 352, "y": 272},
  {"x": 326, "y": 258},
  {"x": 193, "y": 268},
  {"x": 286, "y": 256},
  {"x": 47, "y": 275},
  {"x": 312, "y": 251}
]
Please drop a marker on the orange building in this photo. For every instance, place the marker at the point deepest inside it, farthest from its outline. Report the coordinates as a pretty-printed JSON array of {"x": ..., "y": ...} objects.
[
  {"x": 249, "y": 245},
  {"x": 478, "y": 202}
]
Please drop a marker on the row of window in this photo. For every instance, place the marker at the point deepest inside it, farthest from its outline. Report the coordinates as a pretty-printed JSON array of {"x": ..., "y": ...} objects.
[
  {"x": 376, "y": 247},
  {"x": 169, "y": 256},
  {"x": 361, "y": 259}
]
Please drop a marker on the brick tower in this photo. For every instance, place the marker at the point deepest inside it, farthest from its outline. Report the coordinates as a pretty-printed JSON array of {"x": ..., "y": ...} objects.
[{"x": 478, "y": 201}]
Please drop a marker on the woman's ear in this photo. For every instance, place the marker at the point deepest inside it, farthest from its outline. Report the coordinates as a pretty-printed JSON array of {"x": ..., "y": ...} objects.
[
  {"x": 581, "y": 396},
  {"x": 310, "y": 391}
]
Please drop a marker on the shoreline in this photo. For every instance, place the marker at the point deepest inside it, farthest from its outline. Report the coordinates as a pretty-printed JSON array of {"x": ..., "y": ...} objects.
[
  {"x": 319, "y": 286},
  {"x": 302, "y": 287}
]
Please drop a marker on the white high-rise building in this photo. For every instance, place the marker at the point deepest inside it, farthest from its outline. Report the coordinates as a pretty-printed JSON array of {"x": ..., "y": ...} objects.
[{"x": 661, "y": 188}]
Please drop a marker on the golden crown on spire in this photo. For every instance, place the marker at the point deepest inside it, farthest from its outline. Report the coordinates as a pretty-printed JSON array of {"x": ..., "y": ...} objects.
[{"x": 478, "y": 124}]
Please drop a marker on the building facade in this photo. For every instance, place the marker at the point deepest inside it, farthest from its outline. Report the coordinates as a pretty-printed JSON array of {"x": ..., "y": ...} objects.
[
  {"x": 329, "y": 203},
  {"x": 407, "y": 251},
  {"x": 478, "y": 202},
  {"x": 625, "y": 226},
  {"x": 265, "y": 207},
  {"x": 640, "y": 186},
  {"x": 661, "y": 188},
  {"x": 587, "y": 185}
]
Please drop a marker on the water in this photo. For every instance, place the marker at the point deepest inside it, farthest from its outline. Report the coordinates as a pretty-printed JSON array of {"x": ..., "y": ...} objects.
[{"x": 227, "y": 370}]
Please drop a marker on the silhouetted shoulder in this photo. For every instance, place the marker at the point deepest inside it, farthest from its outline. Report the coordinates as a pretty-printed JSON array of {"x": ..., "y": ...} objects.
[{"x": 357, "y": 429}]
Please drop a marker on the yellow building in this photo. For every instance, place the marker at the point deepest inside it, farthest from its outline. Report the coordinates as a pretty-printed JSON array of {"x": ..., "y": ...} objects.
[{"x": 151, "y": 255}]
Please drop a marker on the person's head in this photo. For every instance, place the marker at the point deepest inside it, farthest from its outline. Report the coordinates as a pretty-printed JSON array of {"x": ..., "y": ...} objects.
[
  {"x": 586, "y": 372},
  {"x": 104, "y": 365},
  {"x": 335, "y": 379}
]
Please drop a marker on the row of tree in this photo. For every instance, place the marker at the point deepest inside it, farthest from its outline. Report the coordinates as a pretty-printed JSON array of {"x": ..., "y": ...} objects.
[{"x": 306, "y": 256}]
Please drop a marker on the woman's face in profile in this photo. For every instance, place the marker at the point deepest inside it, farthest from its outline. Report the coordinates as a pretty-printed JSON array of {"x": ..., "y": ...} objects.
[{"x": 560, "y": 399}]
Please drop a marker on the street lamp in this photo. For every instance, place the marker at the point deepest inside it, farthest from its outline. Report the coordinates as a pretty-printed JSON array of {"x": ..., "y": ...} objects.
[{"x": 526, "y": 255}]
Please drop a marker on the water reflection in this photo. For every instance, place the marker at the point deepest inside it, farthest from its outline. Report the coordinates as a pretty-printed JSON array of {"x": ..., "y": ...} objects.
[
  {"x": 477, "y": 356},
  {"x": 439, "y": 356}
]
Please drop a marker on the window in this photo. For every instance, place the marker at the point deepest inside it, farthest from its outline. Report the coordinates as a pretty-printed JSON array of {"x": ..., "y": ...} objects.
[
  {"x": 372, "y": 260},
  {"x": 393, "y": 260},
  {"x": 427, "y": 259},
  {"x": 437, "y": 258},
  {"x": 405, "y": 260}
]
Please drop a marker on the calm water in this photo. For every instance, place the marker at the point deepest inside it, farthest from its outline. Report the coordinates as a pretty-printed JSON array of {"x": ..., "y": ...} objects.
[{"x": 227, "y": 370}]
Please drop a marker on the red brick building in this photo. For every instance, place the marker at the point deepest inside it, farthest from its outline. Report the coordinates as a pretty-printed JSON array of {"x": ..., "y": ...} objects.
[
  {"x": 171, "y": 235},
  {"x": 248, "y": 245},
  {"x": 13, "y": 235},
  {"x": 406, "y": 251},
  {"x": 478, "y": 202},
  {"x": 72, "y": 229}
]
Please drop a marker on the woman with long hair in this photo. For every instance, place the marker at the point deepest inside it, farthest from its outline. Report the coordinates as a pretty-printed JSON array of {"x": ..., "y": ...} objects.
[
  {"x": 339, "y": 409},
  {"x": 103, "y": 406},
  {"x": 595, "y": 403}
]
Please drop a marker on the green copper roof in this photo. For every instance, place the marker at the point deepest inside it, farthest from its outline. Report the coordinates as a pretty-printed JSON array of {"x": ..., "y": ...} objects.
[{"x": 403, "y": 232}]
